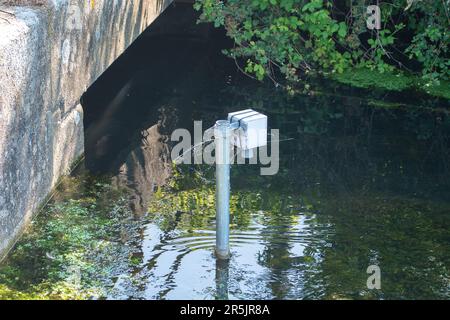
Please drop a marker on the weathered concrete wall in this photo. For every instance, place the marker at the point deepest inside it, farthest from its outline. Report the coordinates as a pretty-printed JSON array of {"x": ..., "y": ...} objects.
[{"x": 49, "y": 55}]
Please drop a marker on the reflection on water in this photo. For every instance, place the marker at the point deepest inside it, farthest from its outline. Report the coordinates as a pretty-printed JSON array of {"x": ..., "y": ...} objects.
[
  {"x": 271, "y": 253},
  {"x": 287, "y": 245},
  {"x": 362, "y": 182},
  {"x": 145, "y": 168}
]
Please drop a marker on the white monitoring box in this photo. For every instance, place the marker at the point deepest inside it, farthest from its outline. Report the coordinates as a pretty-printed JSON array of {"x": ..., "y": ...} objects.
[{"x": 252, "y": 131}]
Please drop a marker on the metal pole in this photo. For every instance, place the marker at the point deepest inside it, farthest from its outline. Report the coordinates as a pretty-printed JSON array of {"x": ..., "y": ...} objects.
[
  {"x": 222, "y": 279},
  {"x": 222, "y": 134}
]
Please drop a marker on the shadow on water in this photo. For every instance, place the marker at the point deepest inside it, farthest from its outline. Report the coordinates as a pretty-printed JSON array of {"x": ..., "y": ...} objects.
[{"x": 360, "y": 184}]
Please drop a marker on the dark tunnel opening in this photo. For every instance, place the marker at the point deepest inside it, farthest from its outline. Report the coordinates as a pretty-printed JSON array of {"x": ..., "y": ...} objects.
[{"x": 153, "y": 78}]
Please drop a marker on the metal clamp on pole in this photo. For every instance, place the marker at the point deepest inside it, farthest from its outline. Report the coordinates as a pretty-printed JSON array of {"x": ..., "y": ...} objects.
[{"x": 247, "y": 130}]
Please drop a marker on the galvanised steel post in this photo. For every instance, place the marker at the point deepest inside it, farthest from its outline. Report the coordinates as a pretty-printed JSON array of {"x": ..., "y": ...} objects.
[{"x": 222, "y": 134}]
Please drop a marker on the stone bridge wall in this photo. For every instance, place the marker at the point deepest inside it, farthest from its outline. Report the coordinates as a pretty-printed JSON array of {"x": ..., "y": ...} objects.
[{"x": 50, "y": 53}]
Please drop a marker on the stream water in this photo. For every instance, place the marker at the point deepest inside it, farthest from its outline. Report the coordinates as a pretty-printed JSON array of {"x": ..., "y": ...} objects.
[{"x": 363, "y": 180}]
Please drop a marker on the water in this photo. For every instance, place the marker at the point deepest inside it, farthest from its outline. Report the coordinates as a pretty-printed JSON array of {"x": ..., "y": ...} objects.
[{"x": 363, "y": 181}]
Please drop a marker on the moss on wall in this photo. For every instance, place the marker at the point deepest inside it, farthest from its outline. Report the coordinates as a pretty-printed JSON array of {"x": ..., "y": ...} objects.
[{"x": 393, "y": 81}]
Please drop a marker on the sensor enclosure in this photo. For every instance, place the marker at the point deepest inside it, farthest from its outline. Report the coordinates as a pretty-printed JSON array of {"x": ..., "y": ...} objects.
[{"x": 251, "y": 132}]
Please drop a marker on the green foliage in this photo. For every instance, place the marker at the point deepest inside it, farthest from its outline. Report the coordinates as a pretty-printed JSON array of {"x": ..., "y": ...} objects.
[
  {"x": 439, "y": 90},
  {"x": 70, "y": 239},
  {"x": 430, "y": 45},
  {"x": 299, "y": 37}
]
